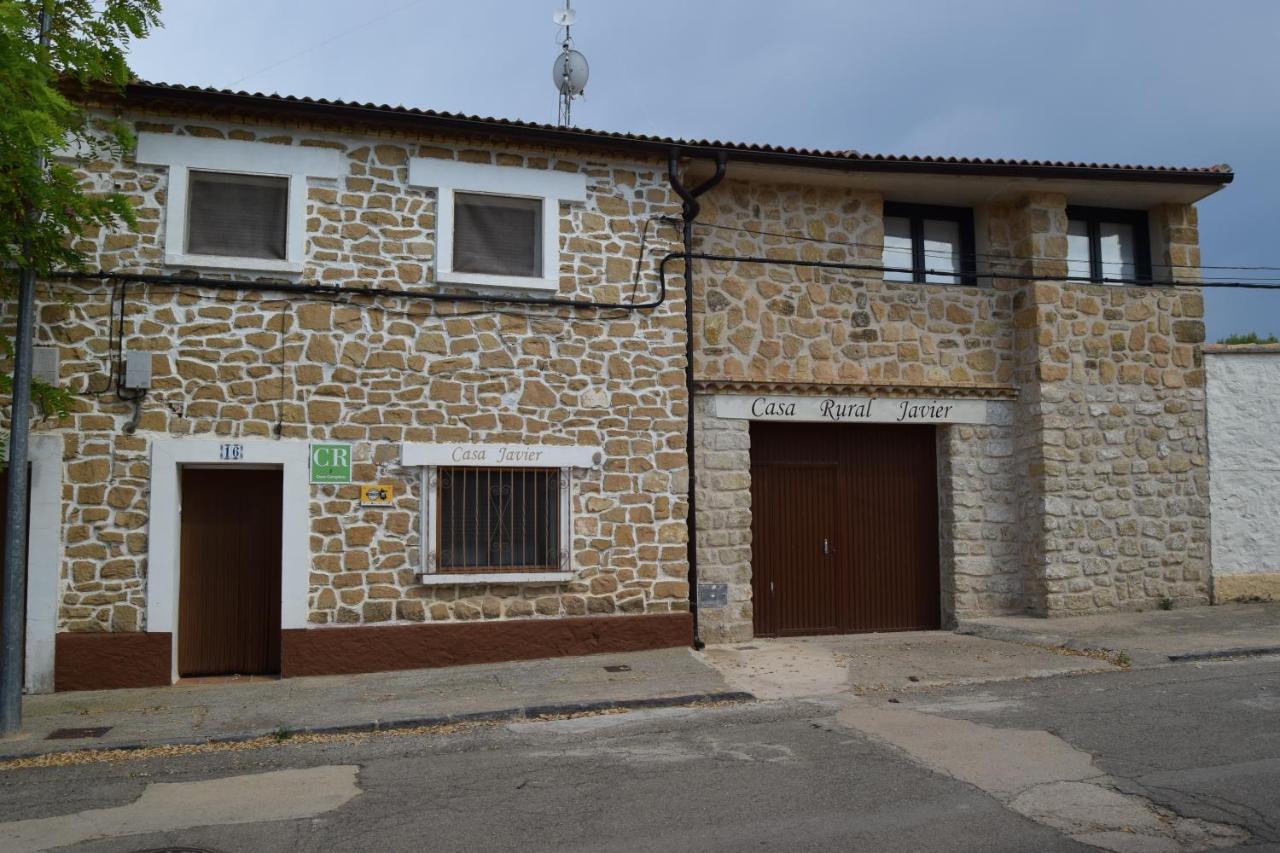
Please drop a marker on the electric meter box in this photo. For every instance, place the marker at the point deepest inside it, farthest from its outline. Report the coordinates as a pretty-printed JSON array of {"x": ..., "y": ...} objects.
[{"x": 137, "y": 370}]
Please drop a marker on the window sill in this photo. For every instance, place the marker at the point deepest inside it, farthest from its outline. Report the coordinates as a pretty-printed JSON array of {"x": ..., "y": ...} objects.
[
  {"x": 507, "y": 282},
  {"x": 218, "y": 262},
  {"x": 474, "y": 578}
]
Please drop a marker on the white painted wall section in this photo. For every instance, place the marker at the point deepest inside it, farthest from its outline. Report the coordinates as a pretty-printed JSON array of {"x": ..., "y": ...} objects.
[{"x": 1244, "y": 461}]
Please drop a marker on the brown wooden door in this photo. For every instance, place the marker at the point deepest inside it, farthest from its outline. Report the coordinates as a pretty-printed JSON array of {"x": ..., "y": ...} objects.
[
  {"x": 229, "y": 594},
  {"x": 844, "y": 528},
  {"x": 890, "y": 492},
  {"x": 796, "y": 585}
]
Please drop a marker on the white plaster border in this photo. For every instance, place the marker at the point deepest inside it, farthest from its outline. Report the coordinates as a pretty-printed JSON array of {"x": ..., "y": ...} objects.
[
  {"x": 183, "y": 153},
  {"x": 550, "y": 187},
  {"x": 163, "y": 564},
  {"x": 44, "y": 560}
]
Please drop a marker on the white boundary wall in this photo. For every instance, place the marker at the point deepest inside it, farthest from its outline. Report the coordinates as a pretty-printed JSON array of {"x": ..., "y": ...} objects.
[{"x": 1244, "y": 458}]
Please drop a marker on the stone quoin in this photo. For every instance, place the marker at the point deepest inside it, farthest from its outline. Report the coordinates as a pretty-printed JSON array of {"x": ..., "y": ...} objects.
[{"x": 534, "y": 454}]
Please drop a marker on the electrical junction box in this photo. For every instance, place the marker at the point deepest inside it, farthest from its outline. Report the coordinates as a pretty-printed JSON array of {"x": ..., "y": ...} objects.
[
  {"x": 137, "y": 370},
  {"x": 44, "y": 364}
]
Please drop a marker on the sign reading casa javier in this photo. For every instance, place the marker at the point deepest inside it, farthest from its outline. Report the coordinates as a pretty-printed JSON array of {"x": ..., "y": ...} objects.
[
  {"x": 848, "y": 410},
  {"x": 501, "y": 455}
]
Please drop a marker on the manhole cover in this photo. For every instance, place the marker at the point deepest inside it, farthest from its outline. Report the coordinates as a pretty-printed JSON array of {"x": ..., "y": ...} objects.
[
  {"x": 76, "y": 734},
  {"x": 619, "y": 667}
]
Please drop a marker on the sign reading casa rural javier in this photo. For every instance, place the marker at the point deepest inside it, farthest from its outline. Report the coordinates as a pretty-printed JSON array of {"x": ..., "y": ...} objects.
[{"x": 869, "y": 410}]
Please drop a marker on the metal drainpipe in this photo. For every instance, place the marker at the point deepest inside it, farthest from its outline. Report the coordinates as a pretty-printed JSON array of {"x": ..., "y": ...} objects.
[
  {"x": 690, "y": 210},
  {"x": 13, "y": 609}
]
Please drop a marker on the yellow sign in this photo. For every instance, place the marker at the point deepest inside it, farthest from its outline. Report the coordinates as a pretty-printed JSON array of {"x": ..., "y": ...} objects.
[{"x": 376, "y": 495}]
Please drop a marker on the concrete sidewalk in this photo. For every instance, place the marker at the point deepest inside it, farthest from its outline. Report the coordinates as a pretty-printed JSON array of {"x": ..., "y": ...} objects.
[
  {"x": 1148, "y": 638},
  {"x": 187, "y": 713},
  {"x": 842, "y": 665}
]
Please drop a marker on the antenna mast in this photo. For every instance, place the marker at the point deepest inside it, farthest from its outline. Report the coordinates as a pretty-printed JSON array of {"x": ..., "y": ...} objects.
[{"x": 569, "y": 71}]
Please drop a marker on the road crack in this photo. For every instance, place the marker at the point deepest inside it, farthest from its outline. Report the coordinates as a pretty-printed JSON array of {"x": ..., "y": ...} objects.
[{"x": 1042, "y": 777}]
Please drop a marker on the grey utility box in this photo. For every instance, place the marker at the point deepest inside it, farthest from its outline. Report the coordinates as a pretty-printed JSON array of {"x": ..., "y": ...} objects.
[
  {"x": 44, "y": 364},
  {"x": 137, "y": 370}
]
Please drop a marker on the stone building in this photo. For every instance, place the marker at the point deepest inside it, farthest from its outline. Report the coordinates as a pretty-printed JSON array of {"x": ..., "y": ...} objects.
[{"x": 372, "y": 387}]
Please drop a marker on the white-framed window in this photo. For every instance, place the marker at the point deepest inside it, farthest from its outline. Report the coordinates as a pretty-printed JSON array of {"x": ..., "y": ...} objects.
[
  {"x": 233, "y": 204},
  {"x": 497, "y": 226},
  {"x": 496, "y": 513}
]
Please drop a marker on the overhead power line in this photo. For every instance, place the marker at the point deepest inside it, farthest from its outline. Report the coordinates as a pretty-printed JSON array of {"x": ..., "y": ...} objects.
[
  {"x": 972, "y": 255},
  {"x": 344, "y": 34}
]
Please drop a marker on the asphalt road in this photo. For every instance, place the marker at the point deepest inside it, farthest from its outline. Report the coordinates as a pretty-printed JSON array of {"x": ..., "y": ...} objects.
[{"x": 1201, "y": 741}]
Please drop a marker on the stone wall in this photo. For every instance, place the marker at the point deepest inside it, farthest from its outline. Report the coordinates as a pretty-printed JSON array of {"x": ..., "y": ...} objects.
[
  {"x": 1244, "y": 465},
  {"x": 1111, "y": 427},
  {"x": 979, "y": 527},
  {"x": 375, "y": 372},
  {"x": 780, "y": 323},
  {"x": 1087, "y": 493},
  {"x": 723, "y": 456}
]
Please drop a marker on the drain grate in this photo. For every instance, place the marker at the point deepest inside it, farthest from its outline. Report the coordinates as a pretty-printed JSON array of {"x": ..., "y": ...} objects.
[
  {"x": 77, "y": 734},
  {"x": 618, "y": 667}
]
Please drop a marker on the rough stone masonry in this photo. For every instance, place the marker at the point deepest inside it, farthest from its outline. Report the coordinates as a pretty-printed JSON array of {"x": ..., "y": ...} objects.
[
  {"x": 375, "y": 373},
  {"x": 1089, "y": 488},
  {"x": 1086, "y": 490}
]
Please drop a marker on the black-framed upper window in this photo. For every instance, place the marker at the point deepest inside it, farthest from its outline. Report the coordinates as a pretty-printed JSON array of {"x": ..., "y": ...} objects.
[
  {"x": 928, "y": 243},
  {"x": 1107, "y": 245}
]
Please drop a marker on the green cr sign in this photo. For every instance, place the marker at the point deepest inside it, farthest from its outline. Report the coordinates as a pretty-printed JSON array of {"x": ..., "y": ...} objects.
[{"x": 331, "y": 463}]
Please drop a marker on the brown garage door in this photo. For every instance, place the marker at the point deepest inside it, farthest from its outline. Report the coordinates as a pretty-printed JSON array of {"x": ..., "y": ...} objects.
[
  {"x": 229, "y": 594},
  {"x": 844, "y": 528}
]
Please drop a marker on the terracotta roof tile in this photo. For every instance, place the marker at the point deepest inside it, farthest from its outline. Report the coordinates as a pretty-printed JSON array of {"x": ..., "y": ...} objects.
[{"x": 160, "y": 92}]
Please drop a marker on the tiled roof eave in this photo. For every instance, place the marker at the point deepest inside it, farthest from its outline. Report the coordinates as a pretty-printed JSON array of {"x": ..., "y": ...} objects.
[{"x": 177, "y": 97}]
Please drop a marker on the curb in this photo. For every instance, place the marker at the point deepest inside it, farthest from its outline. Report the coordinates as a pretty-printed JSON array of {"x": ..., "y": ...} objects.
[
  {"x": 1019, "y": 635},
  {"x": 1139, "y": 657},
  {"x": 1218, "y": 654},
  {"x": 527, "y": 712}
]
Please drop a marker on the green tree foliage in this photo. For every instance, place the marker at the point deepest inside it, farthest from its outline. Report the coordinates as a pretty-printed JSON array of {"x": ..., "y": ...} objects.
[
  {"x": 43, "y": 207},
  {"x": 1249, "y": 338}
]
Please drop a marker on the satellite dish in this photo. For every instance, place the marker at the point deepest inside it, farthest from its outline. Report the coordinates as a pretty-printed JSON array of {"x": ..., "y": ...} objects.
[
  {"x": 569, "y": 73},
  {"x": 564, "y": 17}
]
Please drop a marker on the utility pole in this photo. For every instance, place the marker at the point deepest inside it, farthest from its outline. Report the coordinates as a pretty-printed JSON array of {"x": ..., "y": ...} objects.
[{"x": 14, "y": 615}]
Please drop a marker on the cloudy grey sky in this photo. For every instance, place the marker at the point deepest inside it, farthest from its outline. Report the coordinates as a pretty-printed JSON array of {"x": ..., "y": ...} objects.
[{"x": 1184, "y": 82}]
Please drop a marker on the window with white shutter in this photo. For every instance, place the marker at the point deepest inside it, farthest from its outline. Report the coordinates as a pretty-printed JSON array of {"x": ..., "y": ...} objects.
[
  {"x": 498, "y": 226},
  {"x": 497, "y": 235},
  {"x": 238, "y": 216},
  {"x": 231, "y": 204}
]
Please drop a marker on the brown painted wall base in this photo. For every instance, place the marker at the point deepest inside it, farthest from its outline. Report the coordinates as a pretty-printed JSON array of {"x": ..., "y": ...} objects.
[
  {"x": 344, "y": 651},
  {"x": 105, "y": 661}
]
